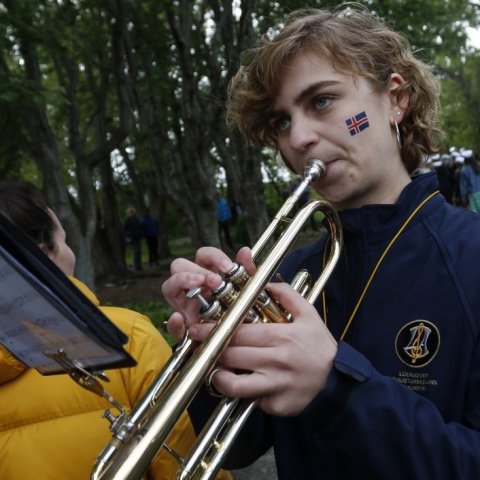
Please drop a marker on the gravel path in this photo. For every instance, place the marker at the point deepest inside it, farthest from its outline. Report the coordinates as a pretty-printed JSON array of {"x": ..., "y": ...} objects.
[{"x": 262, "y": 469}]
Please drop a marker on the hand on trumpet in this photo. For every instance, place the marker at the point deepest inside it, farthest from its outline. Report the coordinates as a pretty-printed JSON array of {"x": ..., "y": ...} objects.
[
  {"x": 205, "y": 273},
  {"x": 286, "y": 364}
]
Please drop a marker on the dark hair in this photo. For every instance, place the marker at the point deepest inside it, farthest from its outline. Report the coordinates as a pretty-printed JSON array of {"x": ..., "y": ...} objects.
[{"x": 25, "y": 206}]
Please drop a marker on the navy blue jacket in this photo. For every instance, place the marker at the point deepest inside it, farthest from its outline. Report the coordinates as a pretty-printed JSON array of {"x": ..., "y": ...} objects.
[{"x": 403, "y": 399}]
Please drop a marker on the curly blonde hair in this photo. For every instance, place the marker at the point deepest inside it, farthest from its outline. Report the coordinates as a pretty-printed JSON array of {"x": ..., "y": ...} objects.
[{"x": 357, "y": 42}]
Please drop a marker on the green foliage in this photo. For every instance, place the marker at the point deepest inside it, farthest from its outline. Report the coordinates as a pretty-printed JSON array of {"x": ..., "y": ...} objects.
[
  {"x": 455, "y": 118},
  {"x": 79, "y": 65}
]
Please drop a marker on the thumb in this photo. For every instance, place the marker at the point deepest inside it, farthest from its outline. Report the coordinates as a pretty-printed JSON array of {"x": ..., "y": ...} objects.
[{"x": 176, "y": 326}]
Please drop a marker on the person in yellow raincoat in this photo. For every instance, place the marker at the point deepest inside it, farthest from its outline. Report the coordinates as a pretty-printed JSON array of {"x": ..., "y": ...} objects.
[{"x": 50, "y": 427}]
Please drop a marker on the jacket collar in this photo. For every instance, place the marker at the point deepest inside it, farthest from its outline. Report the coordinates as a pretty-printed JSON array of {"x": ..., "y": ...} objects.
[{"x": 376, "y": 222}]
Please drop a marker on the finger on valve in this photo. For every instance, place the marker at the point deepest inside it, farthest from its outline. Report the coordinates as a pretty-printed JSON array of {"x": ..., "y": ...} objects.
[
  {"x": 244, "y": 257},
  {"x": 213, "y": 259}
]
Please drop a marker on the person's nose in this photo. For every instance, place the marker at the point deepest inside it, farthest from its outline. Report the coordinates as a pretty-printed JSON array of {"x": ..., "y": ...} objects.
[{"x": 303, "y": 135}]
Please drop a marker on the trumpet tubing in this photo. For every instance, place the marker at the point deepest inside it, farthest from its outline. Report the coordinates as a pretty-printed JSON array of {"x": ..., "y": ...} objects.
[{"x": 138, "y": 437}]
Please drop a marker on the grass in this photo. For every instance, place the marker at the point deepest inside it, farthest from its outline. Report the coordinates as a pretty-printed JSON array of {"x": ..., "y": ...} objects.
[{"x": 181, "y": 247}]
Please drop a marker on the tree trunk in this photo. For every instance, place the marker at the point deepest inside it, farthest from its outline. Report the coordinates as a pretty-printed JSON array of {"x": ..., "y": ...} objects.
[
  {"x": 44, "y": 150},
  {"x": 108, "y": 253}
]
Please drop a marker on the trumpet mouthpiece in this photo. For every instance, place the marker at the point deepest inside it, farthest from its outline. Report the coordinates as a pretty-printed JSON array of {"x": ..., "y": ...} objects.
[{"x": 314, "y": 169}]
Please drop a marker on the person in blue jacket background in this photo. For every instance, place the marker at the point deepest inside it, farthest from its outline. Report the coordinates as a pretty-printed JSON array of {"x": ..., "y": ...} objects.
[
  {"x": 150, "y": 230},
  {"x": 469, "y": 182},
  {"x": 224, "y": 219},
  {"x": 381, "y": 378}
]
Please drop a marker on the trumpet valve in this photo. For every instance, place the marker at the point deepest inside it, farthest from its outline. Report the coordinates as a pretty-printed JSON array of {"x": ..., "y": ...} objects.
[
  {"x": 238, "y": 275},
  {"x": 226, "y": 294},
  {"x": 209, "y": 311}
]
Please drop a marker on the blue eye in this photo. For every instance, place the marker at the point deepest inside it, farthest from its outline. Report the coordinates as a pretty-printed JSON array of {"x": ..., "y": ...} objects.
[
  {"x": 281, "y": 124},
  {"x": 321, "y": 102}
]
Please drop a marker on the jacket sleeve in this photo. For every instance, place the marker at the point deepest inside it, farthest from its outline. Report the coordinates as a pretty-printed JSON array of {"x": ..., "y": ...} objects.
[{"x": 388, "y": 424}]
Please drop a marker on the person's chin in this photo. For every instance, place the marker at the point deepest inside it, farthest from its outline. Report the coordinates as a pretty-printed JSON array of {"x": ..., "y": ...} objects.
[{"x": 336, "y": 193}]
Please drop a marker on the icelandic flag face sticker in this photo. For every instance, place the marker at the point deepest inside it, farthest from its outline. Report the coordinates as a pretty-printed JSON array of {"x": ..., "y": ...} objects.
[{"x": 357, "y": 123}]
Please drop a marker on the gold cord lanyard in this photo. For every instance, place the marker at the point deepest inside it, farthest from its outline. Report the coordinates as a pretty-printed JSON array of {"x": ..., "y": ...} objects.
[{"x": 374, "y": 271}]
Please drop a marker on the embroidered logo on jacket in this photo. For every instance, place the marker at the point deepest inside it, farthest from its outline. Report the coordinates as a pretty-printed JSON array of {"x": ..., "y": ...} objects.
[{"x": 417, "y": 343}]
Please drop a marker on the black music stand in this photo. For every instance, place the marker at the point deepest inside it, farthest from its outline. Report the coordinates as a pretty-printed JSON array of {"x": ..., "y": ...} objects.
[{"x": 45, "y": 321}]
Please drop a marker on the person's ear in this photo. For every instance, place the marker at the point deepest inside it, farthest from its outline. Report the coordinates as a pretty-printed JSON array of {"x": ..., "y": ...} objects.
[
  {"x": 47, "y": 251},
  {"x": 399, "y": 98},
  {"x": 43, "y": 248}
]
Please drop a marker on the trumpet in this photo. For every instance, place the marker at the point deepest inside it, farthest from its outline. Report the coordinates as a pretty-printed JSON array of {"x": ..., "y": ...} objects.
[{"x": 138, "y": 436}]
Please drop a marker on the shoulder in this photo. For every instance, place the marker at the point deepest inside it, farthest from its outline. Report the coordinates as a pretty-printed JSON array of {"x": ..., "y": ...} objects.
[
  {"x": 456, "y": 231},
  {"x": 145, "y": 345},
  {"x": 143, "y": 336},
  {"x": 456, "y": 224}
]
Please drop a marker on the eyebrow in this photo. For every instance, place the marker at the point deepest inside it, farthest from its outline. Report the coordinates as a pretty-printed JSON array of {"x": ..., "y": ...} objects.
[{"x": 307, "y": 92}]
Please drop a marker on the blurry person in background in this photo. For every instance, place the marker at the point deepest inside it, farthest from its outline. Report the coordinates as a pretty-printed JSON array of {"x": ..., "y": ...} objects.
[
  {"x": 132, "y": 233},
  {"x": 469, "y": 181},
  {"x": 446, "y": 176},
  {"x": 224, "y": 220},
  {"x": 150, "y": 231}
]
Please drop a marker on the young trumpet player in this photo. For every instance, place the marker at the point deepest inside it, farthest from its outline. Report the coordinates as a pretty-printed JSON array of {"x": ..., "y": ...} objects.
[{"x": 381, "y": 378}]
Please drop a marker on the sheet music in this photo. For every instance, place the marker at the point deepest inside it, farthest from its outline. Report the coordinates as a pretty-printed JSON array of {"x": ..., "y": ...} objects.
[
  {"x": 32, "y": 325},
  {"x": 42, "y": 313}
]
